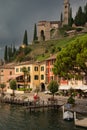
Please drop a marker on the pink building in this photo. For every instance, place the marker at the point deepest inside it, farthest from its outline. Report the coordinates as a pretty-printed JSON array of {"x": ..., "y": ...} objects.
[
  {"x": 6, "y": 71},
  {"x": 49, "y": 69}
]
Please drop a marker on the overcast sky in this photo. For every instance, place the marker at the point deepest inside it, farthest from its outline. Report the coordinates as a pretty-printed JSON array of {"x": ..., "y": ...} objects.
[{"x": 18, "y": 15}]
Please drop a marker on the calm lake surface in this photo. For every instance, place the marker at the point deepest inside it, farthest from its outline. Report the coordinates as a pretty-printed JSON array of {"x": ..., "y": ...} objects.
[{"x": 16, "y": 118}]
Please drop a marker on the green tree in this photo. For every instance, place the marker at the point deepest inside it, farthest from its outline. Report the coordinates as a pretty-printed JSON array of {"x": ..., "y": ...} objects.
[
  {"x": 85, "y": 11},
  {"x": 14, "y": 50},
  {"x": 2, "y": 86},
  {"x": 80, "y": 17},
  {"x": 70, "y": 18},
  {"x": 35, "y": 33},
  {"x": 25, "y": 39},
  {"x": 13, "y": 85},
  {"x": 25, "y": 75},
  {"x": 53, "y": 87},
  {"x": 71, "y": 60},
  {"x": 10, "y": 55},
  {"x": 6, "y": 54},
  {"x": 61, "y": 18}
]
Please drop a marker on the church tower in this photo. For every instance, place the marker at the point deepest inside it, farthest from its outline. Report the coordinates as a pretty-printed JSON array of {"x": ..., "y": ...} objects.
[{"x": 66, "y": 12}]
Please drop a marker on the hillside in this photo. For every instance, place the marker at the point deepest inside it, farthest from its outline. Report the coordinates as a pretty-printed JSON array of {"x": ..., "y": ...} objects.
[{"x": 42, "y": 50}]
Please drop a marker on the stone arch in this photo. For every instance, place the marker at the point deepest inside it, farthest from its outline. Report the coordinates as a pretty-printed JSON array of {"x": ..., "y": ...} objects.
[{"x": 42, "y": 35}]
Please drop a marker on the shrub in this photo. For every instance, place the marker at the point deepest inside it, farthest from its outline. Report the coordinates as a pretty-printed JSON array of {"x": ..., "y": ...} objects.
[{"x": 71, "y": 100}]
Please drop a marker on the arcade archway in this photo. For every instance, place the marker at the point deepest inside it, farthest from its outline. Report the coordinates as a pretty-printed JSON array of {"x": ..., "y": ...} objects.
[
  {"x": 42, "y": 35},
  {"x": 42, "y": 87}
]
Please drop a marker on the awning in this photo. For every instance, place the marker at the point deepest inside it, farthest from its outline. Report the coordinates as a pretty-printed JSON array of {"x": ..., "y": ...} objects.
[
  {"x": 76, "y": 87},
  {"x": 64, "y": 87},
  {"x": 85, "y": 91},
  {"x": 14, "y": 76},
  {"x": 67, "y": 87},
  {"x": 83, "y": 87}
]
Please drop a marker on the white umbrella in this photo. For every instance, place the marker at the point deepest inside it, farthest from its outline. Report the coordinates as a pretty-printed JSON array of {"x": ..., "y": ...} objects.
[{"x": 64, "y": 87}]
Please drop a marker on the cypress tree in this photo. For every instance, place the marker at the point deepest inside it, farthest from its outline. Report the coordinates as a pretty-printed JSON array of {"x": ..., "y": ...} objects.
[
  {"x": 70, "y": 18},
  {"x": 80, "y": 17},
  {"x": 6, "y": 54},
  {"x": 35, "y": 33},
  {"x": 85, "y": 12},
  {"x": 14, "y": 50},
  {"x": 61, "y": 18},
  {"x": 9, "y": 53},
  {"x": 25, "y": 39}
]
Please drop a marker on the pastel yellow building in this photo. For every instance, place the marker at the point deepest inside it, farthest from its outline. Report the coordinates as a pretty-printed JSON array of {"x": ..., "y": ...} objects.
[{"x": 36, "y": 74}]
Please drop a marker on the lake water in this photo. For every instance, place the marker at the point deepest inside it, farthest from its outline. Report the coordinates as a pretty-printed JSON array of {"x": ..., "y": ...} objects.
[{"x": 16, "y": 118}]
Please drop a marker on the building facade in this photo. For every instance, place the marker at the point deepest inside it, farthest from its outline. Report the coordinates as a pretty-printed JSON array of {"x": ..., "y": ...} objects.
[
  {"x": 6, "y": 71},
  {"x": 49, "y": 69},
  {"x": 36, "y": 75}
]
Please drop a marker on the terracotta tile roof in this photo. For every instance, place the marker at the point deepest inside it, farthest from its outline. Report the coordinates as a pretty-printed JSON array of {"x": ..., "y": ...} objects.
[{"x": 52, "y": 57}]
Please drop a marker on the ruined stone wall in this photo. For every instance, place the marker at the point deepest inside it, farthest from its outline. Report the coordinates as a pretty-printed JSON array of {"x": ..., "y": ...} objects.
[{"x": 43, "y": 29}]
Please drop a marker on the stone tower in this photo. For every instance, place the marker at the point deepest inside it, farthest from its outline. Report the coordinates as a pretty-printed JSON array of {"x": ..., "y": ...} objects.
[{"x": 66, "y": 12}]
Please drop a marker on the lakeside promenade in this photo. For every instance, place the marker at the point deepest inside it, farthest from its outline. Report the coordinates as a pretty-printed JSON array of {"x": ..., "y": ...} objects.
[{"x": 80, "y": 104}]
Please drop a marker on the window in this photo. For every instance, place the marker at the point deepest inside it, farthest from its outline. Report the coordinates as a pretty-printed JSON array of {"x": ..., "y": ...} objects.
[
  {"x": 28, "y": 68},
  {"x": 52, "y": 62},
  {"x": 29, "y": 78},
  {"x": 36, "y": 77},
  {"x": 10, "y": 72},
  {"x": 51, "y": 69},
  {"x": 20, "y": 69},
  {"x": 42, "y": 68},
  {"x": 35, "y": 68},
  {"x": 47, "y": 63},
  {"x": 51, "y": 78},
  {"x": 1, "y": 70},
  {"x": 47, "y": 79},
  {"x": 47, "y": 70},
  {"x": 17, "y": 69},
  {"x": 65, "y": 6},
  {"x": 42, "y": 77}
]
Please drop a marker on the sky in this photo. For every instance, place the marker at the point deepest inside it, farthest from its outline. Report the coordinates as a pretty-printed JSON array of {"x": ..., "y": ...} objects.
[{"x": 16, "y": 16}]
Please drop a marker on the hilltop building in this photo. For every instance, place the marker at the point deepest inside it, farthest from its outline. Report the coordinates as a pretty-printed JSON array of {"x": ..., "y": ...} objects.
[{"x": 48, "y": 29}]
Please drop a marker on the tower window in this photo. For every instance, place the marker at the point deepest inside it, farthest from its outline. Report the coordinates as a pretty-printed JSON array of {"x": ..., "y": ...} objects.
[{"x": 65, "y": 6}]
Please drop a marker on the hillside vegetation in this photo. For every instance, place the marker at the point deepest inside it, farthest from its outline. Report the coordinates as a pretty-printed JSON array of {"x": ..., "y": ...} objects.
[{"x": 42, "y": 50}]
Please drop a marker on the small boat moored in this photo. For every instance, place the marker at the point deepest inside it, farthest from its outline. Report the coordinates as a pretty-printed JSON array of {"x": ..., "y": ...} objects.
[
  {"x": 80, "y": 122},
  {"x": 67, "y": 115}
]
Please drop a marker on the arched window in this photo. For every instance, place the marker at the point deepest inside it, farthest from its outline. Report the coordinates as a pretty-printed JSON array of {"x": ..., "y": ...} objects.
[{"x": 42, "y": 35}]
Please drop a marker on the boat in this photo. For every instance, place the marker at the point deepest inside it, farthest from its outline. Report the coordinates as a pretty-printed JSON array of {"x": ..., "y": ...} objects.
[
  {"x": 67, "y": 115},
  {"x": 80, "y": 122}
]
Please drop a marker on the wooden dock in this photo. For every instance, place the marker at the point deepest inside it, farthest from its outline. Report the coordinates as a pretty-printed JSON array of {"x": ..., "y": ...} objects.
[
  {"x": 43, "y": 107},
  {"x": 35, "y": 105},
  {"x": 80, "y": 122},
  {"x": 77, "y": 108}
]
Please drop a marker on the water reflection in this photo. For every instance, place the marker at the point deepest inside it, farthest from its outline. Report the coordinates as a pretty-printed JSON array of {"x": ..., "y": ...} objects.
[{"x": 16, "y": 118}]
